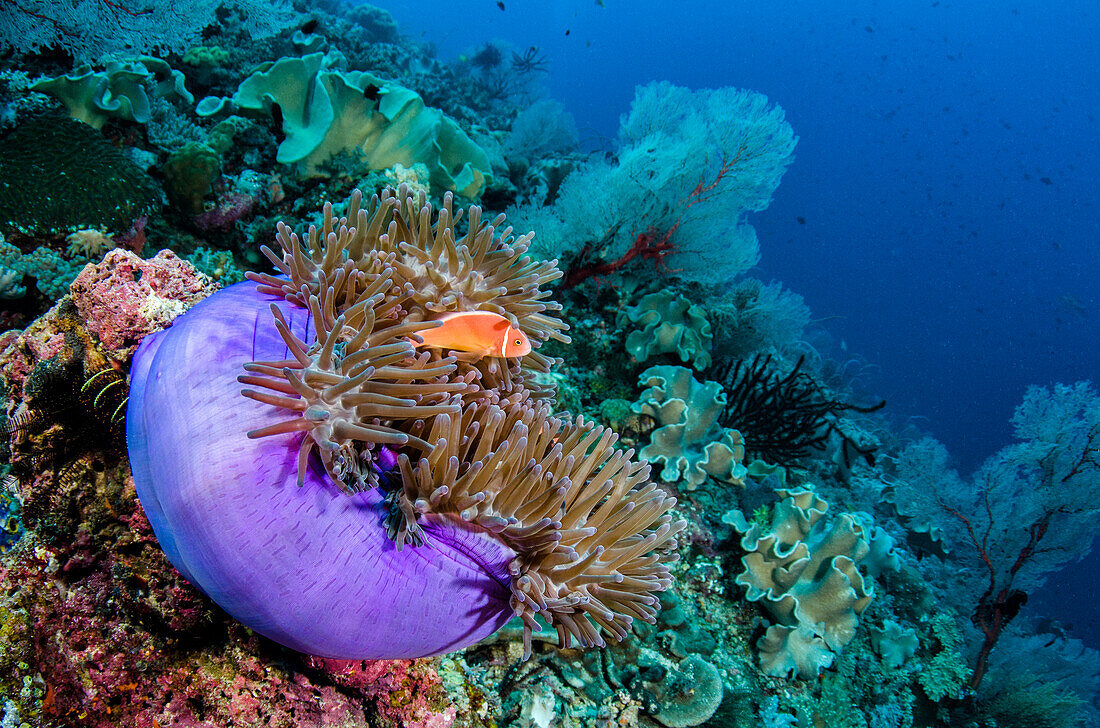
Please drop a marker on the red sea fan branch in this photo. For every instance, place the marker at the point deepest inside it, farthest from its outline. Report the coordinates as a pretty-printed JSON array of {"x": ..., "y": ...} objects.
[{"x": 652, "y": 244}]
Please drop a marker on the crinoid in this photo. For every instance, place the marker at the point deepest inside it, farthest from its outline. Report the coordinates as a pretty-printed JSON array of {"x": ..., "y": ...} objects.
[
  {"x": 530, "y": 61},
  {"x": 105, "y": 393}
]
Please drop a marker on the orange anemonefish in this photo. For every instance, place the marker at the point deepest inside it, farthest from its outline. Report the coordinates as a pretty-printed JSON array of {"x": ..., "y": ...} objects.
[{"x": 482, "y": 333}]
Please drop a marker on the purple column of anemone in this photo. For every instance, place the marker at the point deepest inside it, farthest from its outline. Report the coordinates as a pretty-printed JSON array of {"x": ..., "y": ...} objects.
[{"x": 311, "y": 567}]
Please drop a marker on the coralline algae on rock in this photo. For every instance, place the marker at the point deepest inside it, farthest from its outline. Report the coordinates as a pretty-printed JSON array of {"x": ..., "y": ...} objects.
[{"x": 123, "y": 298}]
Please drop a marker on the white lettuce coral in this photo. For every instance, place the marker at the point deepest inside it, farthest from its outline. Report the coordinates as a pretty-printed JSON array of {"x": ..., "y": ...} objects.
[
  {"x": 689, "y": 443},
  {"x": 785, "y": 650},
  {"x": 803, "y": 569},
  {"x": 893, "y": 643}
]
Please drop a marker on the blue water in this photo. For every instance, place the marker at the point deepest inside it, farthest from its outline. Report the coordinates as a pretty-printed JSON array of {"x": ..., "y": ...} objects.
[{"x": 941, "y": 216}]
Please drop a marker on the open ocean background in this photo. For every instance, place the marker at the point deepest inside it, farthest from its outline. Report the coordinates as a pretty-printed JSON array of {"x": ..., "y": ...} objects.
[{"x": 942, "y": 215}]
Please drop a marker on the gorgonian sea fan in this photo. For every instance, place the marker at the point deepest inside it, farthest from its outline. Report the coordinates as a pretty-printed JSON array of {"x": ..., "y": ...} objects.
[{"x": 288, "y": 506}]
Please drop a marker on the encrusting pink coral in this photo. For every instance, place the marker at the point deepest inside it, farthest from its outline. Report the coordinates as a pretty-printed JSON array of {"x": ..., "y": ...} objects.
[{"x": 124, "y": 298}]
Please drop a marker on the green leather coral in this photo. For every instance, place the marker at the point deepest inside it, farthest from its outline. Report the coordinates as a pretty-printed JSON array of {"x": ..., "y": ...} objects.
[
  {"x": 325, "y": 112},
  {"x": 689, "y": 442},
  {"x": 669, "y": 323},
  {"x": 117, "y": 92},
  {"x": 803, "y": 569},
  {"x": 206, "y": 56}
]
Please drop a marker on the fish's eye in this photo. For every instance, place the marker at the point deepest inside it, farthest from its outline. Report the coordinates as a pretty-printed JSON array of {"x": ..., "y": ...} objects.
[{"x": 518, "y": 342}]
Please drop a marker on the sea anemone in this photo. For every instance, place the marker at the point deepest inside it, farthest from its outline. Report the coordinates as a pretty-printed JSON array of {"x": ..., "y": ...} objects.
[{"x": 288, "y": 507}]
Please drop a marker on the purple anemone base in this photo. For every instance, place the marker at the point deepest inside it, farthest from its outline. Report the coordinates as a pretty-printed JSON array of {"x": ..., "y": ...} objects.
[{"x": 310, "y": 567}]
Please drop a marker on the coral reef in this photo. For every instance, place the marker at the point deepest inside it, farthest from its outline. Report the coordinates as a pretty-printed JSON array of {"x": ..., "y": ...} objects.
[
  {"x": 465, "y": 489},
  {"x": 229, "y": 209},
  {"x": 88, "y": 243},
  {"x": 1041, "y": 679},
  {"x": 217, "y": 265}
]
